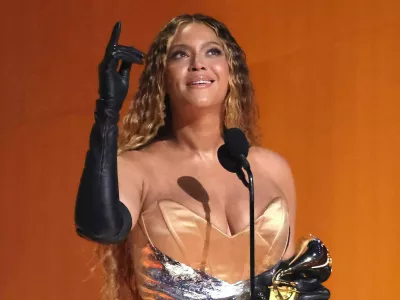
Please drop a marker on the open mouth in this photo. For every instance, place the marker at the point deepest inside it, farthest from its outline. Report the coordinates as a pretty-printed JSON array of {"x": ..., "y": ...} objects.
[{"x": 200, "y": 82}]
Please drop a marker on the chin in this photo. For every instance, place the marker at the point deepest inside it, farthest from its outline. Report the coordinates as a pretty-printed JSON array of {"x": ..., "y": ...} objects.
[
  {"x": 204, "y": 102},
  {"x": 204, "y": 99}
]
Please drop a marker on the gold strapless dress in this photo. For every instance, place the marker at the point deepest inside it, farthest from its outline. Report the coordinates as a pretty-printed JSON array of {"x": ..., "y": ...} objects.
[{"x": 179, "y": 255}]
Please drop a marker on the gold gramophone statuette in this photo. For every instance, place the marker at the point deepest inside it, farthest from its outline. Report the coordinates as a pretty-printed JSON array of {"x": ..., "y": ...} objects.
[
  {"x": 312, "y": 260},
  {"x": 285, "y": 293}
]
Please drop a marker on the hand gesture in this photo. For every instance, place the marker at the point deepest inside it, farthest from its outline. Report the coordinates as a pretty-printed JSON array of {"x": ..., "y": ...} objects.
[{"x": 114, "y": 82}]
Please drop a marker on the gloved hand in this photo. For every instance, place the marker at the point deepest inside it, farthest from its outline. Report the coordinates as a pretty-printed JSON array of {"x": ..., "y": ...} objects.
[
  {"x": 99, "y": 215},
  {"x": 113, "y": 83},
  {"x": 309, "y": 288}
]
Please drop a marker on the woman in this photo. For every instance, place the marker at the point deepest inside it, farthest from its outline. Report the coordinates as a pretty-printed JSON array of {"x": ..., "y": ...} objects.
[{"x": 171, "y": 222}]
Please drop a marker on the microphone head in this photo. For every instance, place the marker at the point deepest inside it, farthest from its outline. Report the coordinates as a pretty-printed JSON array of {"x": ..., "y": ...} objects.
[
  {"x": 236, "y": 142},
  {"x": 227, "y": 161}
]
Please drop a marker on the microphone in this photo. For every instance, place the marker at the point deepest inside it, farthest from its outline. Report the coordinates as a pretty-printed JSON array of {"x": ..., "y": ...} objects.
[
  {"x": 237, "y": 145},
  {"x": 233, "y": 157},
  {"x": 230, "y": 163}
]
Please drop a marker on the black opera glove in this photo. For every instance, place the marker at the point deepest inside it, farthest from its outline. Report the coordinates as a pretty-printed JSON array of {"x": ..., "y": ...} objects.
[
  {"x": 301, "y": 277},
  {"x": 99, "y": 215}
]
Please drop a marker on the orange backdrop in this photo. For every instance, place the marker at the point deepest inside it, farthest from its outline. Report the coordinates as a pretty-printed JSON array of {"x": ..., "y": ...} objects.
[{"x": 327, "y": 82}]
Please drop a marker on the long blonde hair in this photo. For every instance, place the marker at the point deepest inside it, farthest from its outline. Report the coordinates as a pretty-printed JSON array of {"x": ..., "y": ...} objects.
[{"x": 149, "y": 117}]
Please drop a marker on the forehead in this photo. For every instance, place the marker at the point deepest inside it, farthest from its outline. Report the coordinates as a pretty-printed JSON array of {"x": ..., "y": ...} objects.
[{"x": 193, "y": 33}]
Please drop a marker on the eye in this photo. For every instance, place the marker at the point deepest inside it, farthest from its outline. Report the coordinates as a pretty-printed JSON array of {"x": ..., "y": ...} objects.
[
  {"x": 214, "y": 51},
  {"x": 178, "y": 54}
]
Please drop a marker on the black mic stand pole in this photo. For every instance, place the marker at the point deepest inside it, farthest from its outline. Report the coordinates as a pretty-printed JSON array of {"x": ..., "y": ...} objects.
[{"x": 250, "y": 186}]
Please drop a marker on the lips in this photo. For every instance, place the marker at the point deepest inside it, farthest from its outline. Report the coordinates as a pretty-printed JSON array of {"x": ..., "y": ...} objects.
[{"x": 200, "y": 82}]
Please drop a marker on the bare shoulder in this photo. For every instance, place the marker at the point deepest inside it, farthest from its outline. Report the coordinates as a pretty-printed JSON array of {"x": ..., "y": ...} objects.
[
  {"x": 141, "y": 160},
  {"x": 269, "y": 161},
  {"x": 130, "y": 168},
  {"x": 137, "y": 157},
  {"x": 280, "y": 172},
  {"x": 131, "y": 181},
  {"x": 276, "y": 166},
  {"x": 130, "y": 157}
]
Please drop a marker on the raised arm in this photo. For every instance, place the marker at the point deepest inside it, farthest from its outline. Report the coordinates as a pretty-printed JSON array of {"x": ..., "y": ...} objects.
[{"x": 100, "y": 212}]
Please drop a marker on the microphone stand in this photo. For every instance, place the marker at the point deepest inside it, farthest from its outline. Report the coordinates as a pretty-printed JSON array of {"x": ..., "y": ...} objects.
[{"x": 250, "y": 185}]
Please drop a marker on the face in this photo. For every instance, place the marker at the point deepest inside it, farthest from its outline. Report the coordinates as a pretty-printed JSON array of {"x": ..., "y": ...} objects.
[{"x": 197, "y": 70}]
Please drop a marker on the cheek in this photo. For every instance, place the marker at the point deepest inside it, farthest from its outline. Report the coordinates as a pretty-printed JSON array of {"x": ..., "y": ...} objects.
[
  {"x": 223, "y": 73},
  {"x": 169, "y": 80},
  {"x": 174, "y": 75}
]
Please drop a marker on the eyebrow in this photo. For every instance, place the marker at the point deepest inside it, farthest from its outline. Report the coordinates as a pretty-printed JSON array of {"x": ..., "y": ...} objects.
[{"x": 186, "y": 46}]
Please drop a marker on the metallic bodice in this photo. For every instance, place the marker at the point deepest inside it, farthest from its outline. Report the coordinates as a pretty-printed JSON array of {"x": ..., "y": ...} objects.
[{"x": 179, "y": 255}]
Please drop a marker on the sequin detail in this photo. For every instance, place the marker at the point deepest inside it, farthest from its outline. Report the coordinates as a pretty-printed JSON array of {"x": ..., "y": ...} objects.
[{"x": 164, "y": 278}]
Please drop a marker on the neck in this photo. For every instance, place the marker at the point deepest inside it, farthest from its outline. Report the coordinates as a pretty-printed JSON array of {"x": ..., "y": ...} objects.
[{"x": 199, "y": 132}]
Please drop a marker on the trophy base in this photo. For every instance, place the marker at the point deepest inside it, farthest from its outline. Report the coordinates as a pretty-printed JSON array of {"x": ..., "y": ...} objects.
[{"x": 283, "y": 293}]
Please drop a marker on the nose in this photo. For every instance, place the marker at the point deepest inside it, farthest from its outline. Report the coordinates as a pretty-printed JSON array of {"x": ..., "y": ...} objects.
[{"x": 196, "y": 64}]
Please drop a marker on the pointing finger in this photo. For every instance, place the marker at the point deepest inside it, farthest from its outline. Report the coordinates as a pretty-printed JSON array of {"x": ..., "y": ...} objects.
[{"x": 114, "y": 37}]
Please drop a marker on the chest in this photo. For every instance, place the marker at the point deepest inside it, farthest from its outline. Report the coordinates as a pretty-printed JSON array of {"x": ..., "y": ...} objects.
[{"x": 217, "y": 196}]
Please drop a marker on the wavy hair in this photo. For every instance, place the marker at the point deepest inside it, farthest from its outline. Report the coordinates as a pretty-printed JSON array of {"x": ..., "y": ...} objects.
[{"x": 149, "y": 118}]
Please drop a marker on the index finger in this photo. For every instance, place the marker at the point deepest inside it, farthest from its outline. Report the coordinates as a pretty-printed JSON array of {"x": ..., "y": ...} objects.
[{"x": 114, "y": 37}]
